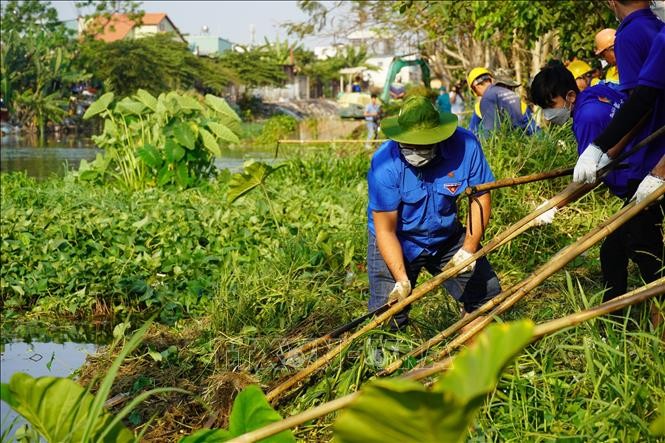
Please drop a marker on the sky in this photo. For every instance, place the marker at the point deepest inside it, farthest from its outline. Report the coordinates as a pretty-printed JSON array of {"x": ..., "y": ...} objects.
[{"x": 231, "y": 20}]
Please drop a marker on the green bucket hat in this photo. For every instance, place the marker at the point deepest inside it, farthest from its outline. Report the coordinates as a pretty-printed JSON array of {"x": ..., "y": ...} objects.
[{"x": 419, "y": 123}]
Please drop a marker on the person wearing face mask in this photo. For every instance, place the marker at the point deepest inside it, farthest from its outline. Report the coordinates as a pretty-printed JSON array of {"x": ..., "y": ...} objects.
[
  {"x": 640, "y": 239},
  {"x": 413, "y": 184}
]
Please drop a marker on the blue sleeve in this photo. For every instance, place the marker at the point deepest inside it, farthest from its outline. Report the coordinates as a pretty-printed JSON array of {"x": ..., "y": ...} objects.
[
  {"x": 479, "y": 169},
  {"x": 653, "y": 70},
  {"x": 383, "y": 182},
  {"x": 474, "y": 123}
]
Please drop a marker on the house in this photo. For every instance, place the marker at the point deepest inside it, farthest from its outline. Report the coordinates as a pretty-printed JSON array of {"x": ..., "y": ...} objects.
[
  {"x": 208, "y": 44},
  {"x": 122, "y": 27}
]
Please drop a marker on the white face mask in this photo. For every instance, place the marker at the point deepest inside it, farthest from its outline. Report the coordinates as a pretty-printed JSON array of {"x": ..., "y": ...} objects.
[
  {"x": 558, "y": 116},
  {"x": 603, "y": 63},
  {"x": 419, "y": 156}
]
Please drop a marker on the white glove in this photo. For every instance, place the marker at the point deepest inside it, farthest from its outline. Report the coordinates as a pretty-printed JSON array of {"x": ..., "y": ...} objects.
[
  {"x": 647, "y": 186},
  {"x": 546, "y": 217},
  {"x": 401, "y": 291},
  {"x": 588, "y": 163},
  {"x": 459, "y": 257}
]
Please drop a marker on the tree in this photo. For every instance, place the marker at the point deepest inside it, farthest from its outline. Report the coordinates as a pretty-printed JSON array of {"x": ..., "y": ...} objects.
[
  {"x": 37, "y": 63},
  {"x": 515, "y": 36},
  {"x": 156, "y": 63}
]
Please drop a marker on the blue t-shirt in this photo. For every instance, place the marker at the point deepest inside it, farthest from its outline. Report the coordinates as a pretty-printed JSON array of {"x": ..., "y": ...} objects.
[
  {"x": 425, "y": 197},
  {"x": 632, "y": 43},
  {"x": 498, "y": 100}
]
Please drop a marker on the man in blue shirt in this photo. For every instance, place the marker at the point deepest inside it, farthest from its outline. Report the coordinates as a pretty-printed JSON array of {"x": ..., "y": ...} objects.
[
  {"x": 554, "y": 89},
  {"x": 372, "y": 114},
  {"x": 497, "y": 103},
  {"x": 414, "y": 180},
  {"x": 443, "y": 101}
]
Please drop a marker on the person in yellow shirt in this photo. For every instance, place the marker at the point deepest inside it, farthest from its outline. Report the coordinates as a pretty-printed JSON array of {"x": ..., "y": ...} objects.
[{"x": 605, "y": 50}]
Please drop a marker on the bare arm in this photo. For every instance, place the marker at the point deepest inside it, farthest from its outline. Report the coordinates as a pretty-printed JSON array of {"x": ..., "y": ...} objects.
[
  {"x": 659, "y": 169},
  {"x": 385, "y": 224},
  {"x": 479, "y": 216}
]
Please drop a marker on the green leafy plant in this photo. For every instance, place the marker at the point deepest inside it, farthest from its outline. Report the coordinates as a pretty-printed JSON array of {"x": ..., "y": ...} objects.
[
  {"x": 276, "y": 128},
  {"x": 169, "y": 140},
  {"x": 403, "y": 410},
  {"x": 254, "y": 174},
  {"x": 250, "y": 411}
]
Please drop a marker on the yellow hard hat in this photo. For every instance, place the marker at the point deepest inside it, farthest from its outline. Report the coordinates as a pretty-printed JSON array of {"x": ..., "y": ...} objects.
[
  {"x": 475, "y": 73},
  {"x": 604, "y": 40},
  {"x": 579, "y": 68}
]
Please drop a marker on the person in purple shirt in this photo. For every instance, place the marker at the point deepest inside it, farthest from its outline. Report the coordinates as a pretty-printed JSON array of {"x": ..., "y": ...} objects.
[
  {"x": 554, "y": 89},
  {"x": 413, "y": 183}
]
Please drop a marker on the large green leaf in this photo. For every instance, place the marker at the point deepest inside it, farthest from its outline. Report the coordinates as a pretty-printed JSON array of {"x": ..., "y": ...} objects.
[
  {"x": 223, "y": 133},
  {"x": 250, "y": 411},
  {"x": 403, "y": 411},
  {"x": 99, "y": 105},
  {"x": 147, "y": 99},
  {"x": 254, "y": 174},
  {"x": 127, "y": 106},
  {"x": 220, "y": 105},
  {"x": 150, "y": 155},
  {"x": 184, "y": 135},
  {"x": 59, "y": 408},
  {"x": 476, "y": 369},
  {"x": 187, "y": 102},
  {"x": 210, "y": 143},
  {"x": 173, "y": 151},
  {"x": 164, "y": 176},
  {"x": 182, "y": 175},
  {"x": 208, "y": 436},
  {"x": 396, "y": 410}
]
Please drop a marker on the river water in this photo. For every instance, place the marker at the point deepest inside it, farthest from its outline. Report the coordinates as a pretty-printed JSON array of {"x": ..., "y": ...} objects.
[
  {"x": 41, "y": 349},
  {"x": 19, "y": 153}
]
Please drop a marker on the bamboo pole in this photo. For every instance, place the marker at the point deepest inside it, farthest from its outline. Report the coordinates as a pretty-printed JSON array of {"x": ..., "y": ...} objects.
[
  {"x": 636, "y": 296},
  {"x": 654, "y": 288},
  {"x": 508, "y": 298},
  {"x": 518, "y": 180},
  {"x": 572, "y": 192},
  {"x": 316, "y": 141}
]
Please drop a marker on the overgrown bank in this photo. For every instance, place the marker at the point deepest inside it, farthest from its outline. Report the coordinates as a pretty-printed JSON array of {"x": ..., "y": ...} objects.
[{"x": 286, "y": 262}]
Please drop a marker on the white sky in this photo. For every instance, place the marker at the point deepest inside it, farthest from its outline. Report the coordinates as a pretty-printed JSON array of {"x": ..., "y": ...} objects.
[{"x": 228, "y": 19}]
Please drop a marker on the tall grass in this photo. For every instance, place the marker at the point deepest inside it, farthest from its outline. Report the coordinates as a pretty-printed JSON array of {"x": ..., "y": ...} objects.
[{"x": 279, "y": 267}]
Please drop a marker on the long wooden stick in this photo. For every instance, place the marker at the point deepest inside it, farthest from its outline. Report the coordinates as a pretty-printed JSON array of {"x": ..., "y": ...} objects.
[
  {"x": 316, "y": 141},
  {"x": 504, "y": 182},
  {"x": 637, "y": 296},
  {"x": 508, "y": 298},
  {"x": 572, "y": 192}
]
